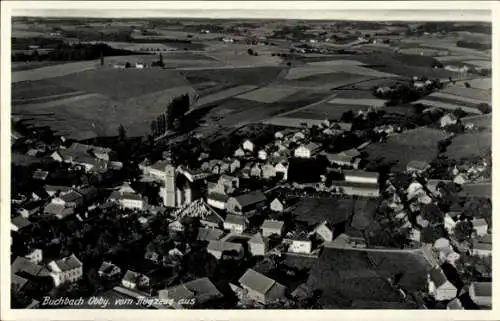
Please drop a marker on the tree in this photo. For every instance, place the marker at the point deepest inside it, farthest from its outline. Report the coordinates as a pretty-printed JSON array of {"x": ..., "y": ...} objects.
[
  {"x": 122, "y": 134},
  {"x": 347, "y": 116},
  {"x": 459, "y": 112},
  {"x": 250, "y": 51},
  {"x": 484, "y": 108},
  {"x": 128, "y": 65},
  {"x": 463, "y": 230},
  {"x": 419, "y": 108},
  {"x": 467, "y": 85}
]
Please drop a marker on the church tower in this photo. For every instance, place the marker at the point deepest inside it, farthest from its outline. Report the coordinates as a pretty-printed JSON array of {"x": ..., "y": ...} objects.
[{"x": 169, "y": 190}]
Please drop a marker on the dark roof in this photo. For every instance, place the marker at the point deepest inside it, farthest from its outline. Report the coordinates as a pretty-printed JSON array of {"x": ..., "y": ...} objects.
[
  {"x": 437, "y": 276},
  {"x": 24, "y": 265},
  {"x": 250, "y": 198},
  {"x": 71, "y": 196},
  {"x": 20, "y": 222},
  {"x": 317, "y": 210},
  {"x": 482, "y": 288},
  {"x": 256, "y": 281},
  {"x": 203, "y": 290},
  {"x": 218, "y": 197},
  {"x": 477, "y": 190},
  {"x": 209, "y": 234},
  {"x": 69, "y": 263},
  {"x": 235, "y": 219}
]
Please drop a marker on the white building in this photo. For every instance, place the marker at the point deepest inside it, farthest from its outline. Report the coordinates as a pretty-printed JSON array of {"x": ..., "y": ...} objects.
[
  {"x": 66, "y": 270},
  {"x": 248, "y": 145},
  {"x": 270, "y": 227},
  {"x": 257, "y": 245},
  {"x": 35, "y": 256},
  {"x": 262, "y": 155},
  {"x": 132, "y": 201},
  {"x": 355, "y": 176},
  {"x": 306, "y": 151},
  {"x": 235, "y": 223}
]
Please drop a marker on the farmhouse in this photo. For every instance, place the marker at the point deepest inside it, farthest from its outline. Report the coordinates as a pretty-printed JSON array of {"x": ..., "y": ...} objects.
[
  {"x": 200, "y": 291},
  {"x": 132, "y": 201},
  {"x": 156, "y": 171},
  {"x": 480, "y": 293},
  {"x": 355, "y": 176},
  {"x": 257, "y": 245},
  {"x": 248, "y": 145},
  {"x": 66, "y": 270},
  {"x": 235, "y": 223},
  {"x": 209, "y": 234},
  {"x": 58, "y": 210},
  {"x": 482, "y": 246},
  {"x": 417, "y": 167},
  {"x": 246, "y": 202},
  {"x": 261, "y": 288},
  {"x": 227, "y": 249},
  {"x": 71, "y": 199},
  {"x": 270, "y": 227},
  {"x": 439, "y": 286},
  {"x": 306, "y": 151},
  {"x": 298, "y": 242},
  {"x": 282, "y": 168}
]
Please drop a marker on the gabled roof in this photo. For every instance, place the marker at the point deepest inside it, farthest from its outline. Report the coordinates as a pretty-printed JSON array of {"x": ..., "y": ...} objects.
[
  {"x": 71, "y": 196},
  {"x": 107, "y": 267},
  {"x": 358, "y": 173},
  {"x": 20, "y": 222},
  {"x": 437, "y": 276},
  {"x": 273, "y": 224},
  {"x": 483, "y": 289},
  {"x": 257, "y": 282},
  {"x": 257, "y": 239},
  {"x": 24, "y": 265},
  {"x": 209, "y": 234},
  {"x": 235, "y": 219},
  {"x": 69, "y": 263},
  {"x": 250, "y": 198},
  {"x": 479, "y": 222},
  {"x": 353, "y": 152},
  {"x": 222, "y": 246}
]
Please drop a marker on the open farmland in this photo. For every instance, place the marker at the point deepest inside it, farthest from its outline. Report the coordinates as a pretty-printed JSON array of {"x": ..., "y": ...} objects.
[
  {"x": 448, "y": 105},
  {"x": 237, "y": 76},
  {"x": 470, "y": 93},
  {"x": 481, "y": 83},
  {"x": 311, "y": 70},
  {"x": 326, "y": 81},
  {"x": 53, "y": 71},
  {"x": 458, "y": 98},
  {"x": 482, "y": 121},
  {"x": 420, "y": 144},
  {"x": 325, "y": 111},
  {"x": 269, "y": 94},
  {"x": 358, "y": 102},
  {"x": 452, "y": 59},
  {"x": 470, "y": 145},
  {"x": 224, "y": 94},
  {"x": 21, "y": 65}
]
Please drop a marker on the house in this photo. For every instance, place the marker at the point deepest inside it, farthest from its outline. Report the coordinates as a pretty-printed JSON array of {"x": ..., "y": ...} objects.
[
  {"x": 268, "y": 171},
  {"x": 209, "y": 234},
  {"x": 298, "y": 136},
  {"x": 481, "y": 249},
  {"x": 447, "y": 120},
  {"x": 261, "y": 288},
  {"x": 53, "y": 190},
  {"x": 347, "y": 158},
  {"x": 248, "y": 145},
  {"x": 224, "y": 249},
  {"x": 66, "y": 270},
  {"x": 35, "y": 256},
  {"x": 196, "y": 292},
  {"x": 29, "y": 209},
  {"x": 439, "y": 286},
  {"x": 39, "y": 194},
  {"x": 234, "y": 165},
  {"x": 455, "y": 304},
  {"x": 108, "y": 270},
  {"x": 19, "y": 223},
  {"x": 256, "y": 171},
  {"x": 356, "y": 176},
  {"x": 217, "y": 200},
  {"x": 40, "y": 175},
  {"x": 278, "y": 135},
  {"x": 460, "y": 179},
  {"x": 212, "y": 220},
  {"x": 229, "y": 183},
  {"x": 270, "y": 227},
  {"x": 324, "y": 230},
  {"x": 176, "y": 226},
  {"x": 417, "y": 167},
  {"x": 244, "y": 203},
  {"x": 58, "y": 210},
  {"x": 156, "y": 171},
  {"x": 306, "y": 151},
  {"x": 235, "y": 223},
  {"x": 239, "y": 153},
  {"x": 298, "y": 243},
  {"x": 277, "y": 205},
  {"x": 133, "y": 280},
  {"x": 480, "y": 226},
  {"x": 449, "y": 223},
  {"x": 480, "y": 293},
  {"x": 357, "y": 189},
  {"x": 262, "y": 155},
  {"x": 282, "y": 167},
  {"x": 140, "y": 65},
  {"x": 258, "y": 245},
  {"x": 23, "y": 271},
  {"x": 72, "y": 199},
  {"x": 132, "y": 201}
]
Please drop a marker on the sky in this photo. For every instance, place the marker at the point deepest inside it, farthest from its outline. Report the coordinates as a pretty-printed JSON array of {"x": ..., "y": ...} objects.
[{"x": 434, "y": 10}]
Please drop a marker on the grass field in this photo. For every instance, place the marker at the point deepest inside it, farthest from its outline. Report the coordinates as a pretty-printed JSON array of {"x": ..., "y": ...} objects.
[
  {"x": 358, "y": 101},
  {"x": 482, "y": 121},
  {"x": 269, "y": 94},
  {"x": 420, "y": 144},
  {"x": 238, "y": 76},
  {"x": 37, "y": 89},
  {"x": 308, "y": 71},
  {"x": 448, "y": 105},
  {"x": 469, "y": 145},
  {"x": 451, "y": 59},
  {"x": 470, "y": 93},
  {"x": 20, "y": 66},
  {"x": 53, "y": 71},
  {"x": 481, "y": 83},
  {"x": 326, "y": 81},
  {"x": 325, "y": 111},
  {"x": 458, "y": 98},
  {"x": 224, "y": 94}
]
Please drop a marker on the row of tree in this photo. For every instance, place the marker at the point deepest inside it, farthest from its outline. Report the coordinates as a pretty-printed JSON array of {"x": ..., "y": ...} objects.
[{"x": 173, "y": 116}]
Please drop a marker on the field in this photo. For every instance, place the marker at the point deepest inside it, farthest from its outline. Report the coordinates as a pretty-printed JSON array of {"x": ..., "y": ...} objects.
[
  {"x": 458, "y": 98},
  {"x": 224, "y": 94},
  {"x": 451, "y": 59},
  {"x": 20, "y": 66},
  {"x": 53, "y": 71},
  {"x": 470, "y": 93},
  {"x": 420, "y": 144},
  {"x": 324, "y": 111},
  {"x": 326, "y": 81},
  {"x": 312, "y": 70},
  {"x": 483, "y": 121},
  {"x": 448, "y": 105},
  {"x": 470, "y": 145},
  {"x": 358, "y": 102},
  {"x": 269, "y": 94},
  {"x": 481, "y": 83}
]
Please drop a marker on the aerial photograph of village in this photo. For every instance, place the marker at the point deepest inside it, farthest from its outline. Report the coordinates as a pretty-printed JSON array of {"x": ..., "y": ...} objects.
[{"x": 177, "y": 163}]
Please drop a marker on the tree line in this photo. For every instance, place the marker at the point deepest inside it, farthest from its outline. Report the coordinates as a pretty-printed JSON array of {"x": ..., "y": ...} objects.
[{"x": 172, "y": 117}]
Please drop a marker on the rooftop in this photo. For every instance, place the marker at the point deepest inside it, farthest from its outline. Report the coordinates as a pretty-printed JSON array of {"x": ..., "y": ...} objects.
[
  {"x": 418, "y": 165},
  {"x": 273, "y": 224},
  {"x": 69, "y": 263},
  {"x": 222, "y": 246},
  {"x": 482, "y": 288},
  {"x": 209, "y": 234},
  {"x": 235, "y": 219},
  {"x": 250, "y": 198},
  {"x": 20, "y": 222},
  {"x": 256, "y": 281},
  {"x": 317, "y": 210}
]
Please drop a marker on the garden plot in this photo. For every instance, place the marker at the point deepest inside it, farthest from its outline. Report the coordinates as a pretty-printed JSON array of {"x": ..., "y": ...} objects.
[
  {"x": 358, "y": 102},
  {"x": 448, "y": 106},
  {"x": 269, "y": 94},
  {"x": 471, "y": 93},
  {"x": 457, "y": 98}
]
